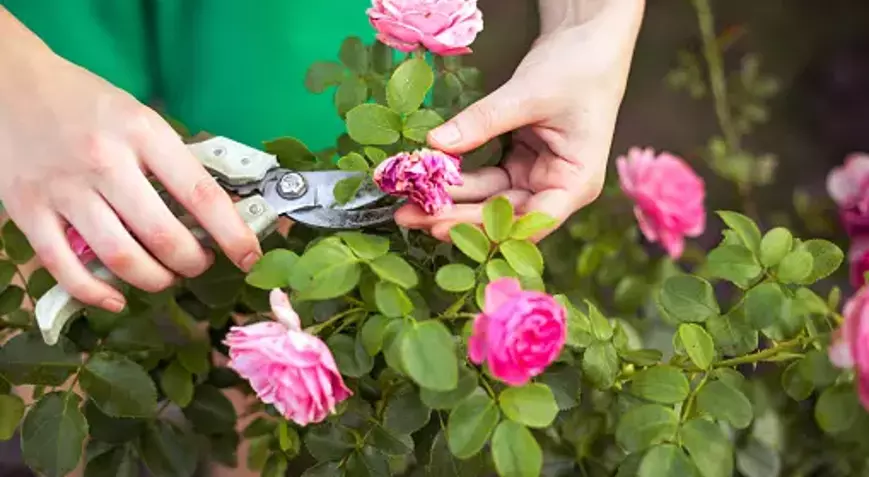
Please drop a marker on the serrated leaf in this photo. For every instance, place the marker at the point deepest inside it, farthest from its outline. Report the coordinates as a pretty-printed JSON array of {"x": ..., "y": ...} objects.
[
  {"x": 456, "y": 277},
  {"x": 471, "y": 241}
]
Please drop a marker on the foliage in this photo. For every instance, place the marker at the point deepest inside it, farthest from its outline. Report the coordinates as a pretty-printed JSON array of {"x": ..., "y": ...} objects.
[{"x": 705, "y": 367}]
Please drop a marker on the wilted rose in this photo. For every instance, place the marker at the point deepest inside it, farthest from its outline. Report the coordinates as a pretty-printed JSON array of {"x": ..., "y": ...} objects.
[
  {"x": 444, "y": 27},
  {"x": 668, "y": 196},
  {"x": 286, "y": 367},
  {"x": 422, "y": 176},
  {"x": 519, "y": 333}
]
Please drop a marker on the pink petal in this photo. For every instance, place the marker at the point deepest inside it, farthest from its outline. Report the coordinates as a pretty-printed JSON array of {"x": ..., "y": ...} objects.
[
  {"x": 283, "y": 311},
  {"x": 499, "y": 292}
]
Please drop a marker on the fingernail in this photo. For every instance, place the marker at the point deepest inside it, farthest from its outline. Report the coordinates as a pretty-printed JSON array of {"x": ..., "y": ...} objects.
[
  {"x": 448, "y": 134},
  {"x": 114, "y": 305},
  {"x": 249, "y": 260}
]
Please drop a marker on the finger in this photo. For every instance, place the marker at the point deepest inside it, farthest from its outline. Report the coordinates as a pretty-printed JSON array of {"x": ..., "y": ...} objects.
[
  {"x": 194, "y": 188},
  {"x": 46, "y": 232},
  {"x": 506, "y": 109},
  {"x": 413, "y": 217},
  {"x": 480, "y": 185},
  {"x": 147, "y": 216},
  {"x": 100, "y": 227}
]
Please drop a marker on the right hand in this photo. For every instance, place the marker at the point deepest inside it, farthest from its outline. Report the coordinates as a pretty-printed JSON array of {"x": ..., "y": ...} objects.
[{"x": 75, "y": 150}]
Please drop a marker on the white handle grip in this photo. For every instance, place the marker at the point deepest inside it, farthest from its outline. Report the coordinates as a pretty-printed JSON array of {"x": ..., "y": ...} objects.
[
  {"x": 233, "y": 162},
  {"x": 57, "y": 307}
]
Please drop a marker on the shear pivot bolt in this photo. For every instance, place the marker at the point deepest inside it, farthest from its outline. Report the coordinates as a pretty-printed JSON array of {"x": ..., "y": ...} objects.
[
  {"x": 292, "y": 186},
  {"x": 255, "y": 209}
]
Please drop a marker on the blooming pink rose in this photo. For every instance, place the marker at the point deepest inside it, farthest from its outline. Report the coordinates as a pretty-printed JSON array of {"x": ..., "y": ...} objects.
[
  {"x": 444, "y": 27},
  {"x": 286, "y": 367},
  {"x": 668, "y": 197},
  {"x": 422, "y": 176},
  {"x": 858, "y": 256},
  {"x": 850, "y": 346},
  {"x": 81, "y": 248},
  {"x": 519, "y": 333},
  {"x": 848, "y": 185}
]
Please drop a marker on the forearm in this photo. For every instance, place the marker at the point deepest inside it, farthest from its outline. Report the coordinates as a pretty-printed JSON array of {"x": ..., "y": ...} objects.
[
  {"x": 17, "y": 41},
  {"x": 557, "y": 14}
]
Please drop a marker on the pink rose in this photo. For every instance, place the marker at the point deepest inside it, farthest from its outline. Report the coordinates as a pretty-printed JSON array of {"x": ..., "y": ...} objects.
[
  {"x": 286, "y": 367},
  {"x": 81, "y": 248},
  {"x": 848, "y": 185},
  {"x": 422, "y": 176},
  {"x": 444, "y": 27},
  {"x": 519, "y": 333},
  {"x": 858, "y": 256},
  {"x": 850, "y": 346},
  {"x": 668, "y": 197}
]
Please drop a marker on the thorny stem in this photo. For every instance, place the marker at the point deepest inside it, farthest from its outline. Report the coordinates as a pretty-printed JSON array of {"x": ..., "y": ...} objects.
[
  {"x": 718, "y": 84},
  {"x": 764, "y": 355}
]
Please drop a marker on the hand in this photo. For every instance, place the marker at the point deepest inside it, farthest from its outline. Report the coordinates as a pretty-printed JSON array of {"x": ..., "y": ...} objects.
[
  {"x": 75, "y": 150},
  {"x": 561, "y": 105}
]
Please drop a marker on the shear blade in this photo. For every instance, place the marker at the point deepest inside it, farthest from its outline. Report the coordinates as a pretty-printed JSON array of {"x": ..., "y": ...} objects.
[{"x": 345, "y": 219}]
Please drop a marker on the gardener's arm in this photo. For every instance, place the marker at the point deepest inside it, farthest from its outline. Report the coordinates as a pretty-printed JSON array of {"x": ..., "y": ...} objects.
[
  {"x": 73, "y": 151},
  {"x": 562, "y": 102}
]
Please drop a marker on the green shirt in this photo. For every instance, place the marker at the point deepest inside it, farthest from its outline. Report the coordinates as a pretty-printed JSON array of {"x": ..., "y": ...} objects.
[{"x": 234, "y": 68}]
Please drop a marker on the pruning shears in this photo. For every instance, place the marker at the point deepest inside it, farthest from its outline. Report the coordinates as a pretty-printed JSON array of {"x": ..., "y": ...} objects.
[{"x": 268, "y": 192}]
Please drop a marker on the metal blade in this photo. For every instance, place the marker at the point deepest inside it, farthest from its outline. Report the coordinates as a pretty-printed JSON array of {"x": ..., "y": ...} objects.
[
  {"x": 345, "y": 219},
  {"x": 290, "y": 192}
]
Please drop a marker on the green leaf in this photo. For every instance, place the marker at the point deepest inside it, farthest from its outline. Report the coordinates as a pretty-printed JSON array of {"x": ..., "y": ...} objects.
[
  {"x": 515, "y": 451},
  {"x": 372, "y": 334},
  {"x": 17, "y": 247},
  {"x": 346, "y": 189},
  {"x": 646, "y": 425},
  {"x": 826, "y": 259},
  {"x": 11, "y": 412},
  {"x": 195, "y": 356},
  {"x": 532, "y": 224},
  {"x": 733, "y": 335},
  {"x": 210, "y": 411},
  {"x": 449, "y": 399},
  {"x": 764, "y": 304},
  {"x": 735, "y": 264},
  {"x": 666, "y": 460},
  {"x": 775, "y": 245},
  {"x": 662, "y": 384},
  {"x": 471, "y": 241},
  {"x": 323, "y": 74},
  {"x": 409, "y": 85},
  {"x": 375, "y": 155},
  {"x": 327, "y": 270},
  {"x": 817, "y": 368},
  {"x": 642, "y": 357},
  {"x": 600, "y": 363},
  {"x": 757, "y": 459},
  {"x": 565, "y": 382},
  {"x": 600, "y": 325},
  {"x": 117, "y": 461},
  {"x": 368, "y": 462},
  {"x": 498, "y": 218},
  {"x": 456, "y": 277},
  {"x": 391, "y": 300},
  {"x": 442, "y": 463},
  {"x": 26, "y": 359},
  {"x": 7, "y": 272},
  {"x": 118, "y": 386},
  {"x": 389, "y": 442},
  {"x": 419, "y": 123},
  {"x": 405, "y": 413},
  {"x": 291, "y": 153},
  {"x": 350, "y": 355},
  {"x": 837, "y": 409},
  {"x": 177, "y": 384},
  {"x": 709, "y": 448},
  {"x": 523, "y": 256},
  {"x": 353, "y": 162},
  {"x": 698, "y": 344},
  {"x": 532, "y": 405},
  {"x": 631, "y": 293},
  {"x": 373, "y": 124},
  {"x": 499, "y": 268},
  {"x": 276, "y": 466},
  {"x": 110, "y": 429},
  {"x": 688, "y": 298},
  {"x": 393, "y": 268},
  {"x": 795, "y": 267},
  {"x": 745, "y": 229},
  {"x": 326, "y": 469},
  {"x": 329, "y": 442},
  {"x": 53, "y": 433},
  {"x": 382, "y": 57},
  {"x": 272, "y": 270},
  {"x": 795, "y": 384},
  {"x": 354, "y": 54},
  {"x": 350, "y": 93},
  {"x": 366, "y": 247},
  {"x": 167, "y": 450},
  {"x": 470, "y": 424},
  {"x": 11, "y": 299},
  {"x": 39, "y": 282},
  {"x": 429, "y": 356},
  {"x": 724, "y": 402}
]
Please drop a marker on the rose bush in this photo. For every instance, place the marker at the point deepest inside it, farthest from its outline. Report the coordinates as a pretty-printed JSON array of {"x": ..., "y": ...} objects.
[{"x": 615, "y": 347}]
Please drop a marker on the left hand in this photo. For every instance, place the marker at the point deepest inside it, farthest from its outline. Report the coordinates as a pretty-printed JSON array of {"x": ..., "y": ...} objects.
[{"x": 561, "y": 105}]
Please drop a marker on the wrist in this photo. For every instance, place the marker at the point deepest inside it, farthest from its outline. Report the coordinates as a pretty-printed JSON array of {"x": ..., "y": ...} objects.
[{"x": 561, "y": 14}]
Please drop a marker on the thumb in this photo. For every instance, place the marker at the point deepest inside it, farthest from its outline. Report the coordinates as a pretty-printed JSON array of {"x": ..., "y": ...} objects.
[{"x": 506, "y": 109}]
